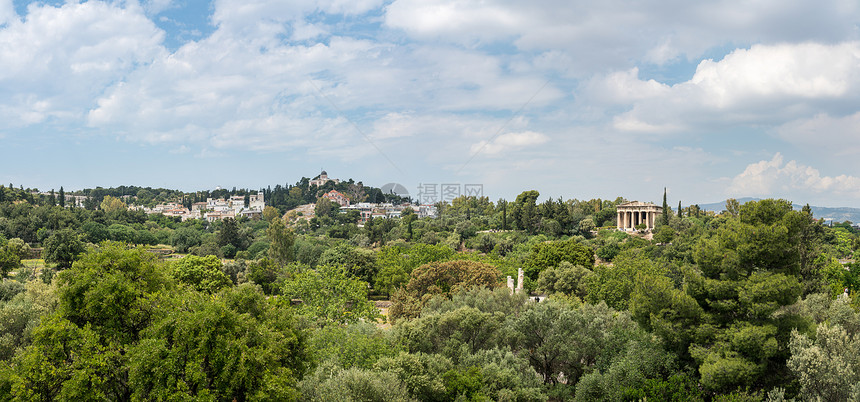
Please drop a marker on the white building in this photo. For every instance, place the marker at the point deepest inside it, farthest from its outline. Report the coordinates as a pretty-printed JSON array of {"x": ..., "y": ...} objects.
[
  {"x": 237, "y": 203},
  {"x": 322, "y": 179},
  {"x": 257, "y": 202}
]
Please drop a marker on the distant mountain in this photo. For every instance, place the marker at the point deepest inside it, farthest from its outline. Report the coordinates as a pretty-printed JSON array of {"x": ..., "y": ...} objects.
[{"x": 840, "y": 214}]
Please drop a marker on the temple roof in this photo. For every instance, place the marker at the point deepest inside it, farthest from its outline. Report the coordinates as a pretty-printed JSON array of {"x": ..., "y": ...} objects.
[{"x": 636, "y": 204}]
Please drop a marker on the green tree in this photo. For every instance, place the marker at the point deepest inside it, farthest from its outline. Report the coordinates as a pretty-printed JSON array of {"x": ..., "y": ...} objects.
[
  {"x": 452, "y": 333},
  {"x": 201, "y": 273},
  {"x": 267, "y": 274},
  {"x": 615, "y": 284},
  {"x": 357, "y": 262},
  {"x": 328, "y": 295},
  {"x": 95, "y": 232},
  {"x": 21, "y": 313},
  {"x": 422, "y": 373},
  {"x": 663, "y": 309},
  {"x": 551, "y": 254},
  {"x": 407, "y": 218},
  {"x": 270, "y": 213},
  {"x": 359, "y": 344},
  {"x": 62, "y": 197},
  {"x": 323, "y": 207},
  {"x": 504, "y": 375},
  {"x": 111, "y": 204},
  {"x": 567, "y": 279},
  {"x": 827, "y": 367},
  {"x": 9, "y": 260},
  {"x": 121, "y": 233},
  {"x": 184, "y": 238},
  {"x": 665, "y": 216},
  {"x": 525, "y": 212},
  {"x": 65, "y": 362},
  {"x": 397, "y": 261},
  {"x": 238, "y": 346},
  {"x": 664, "y": 235},
  {"x": 751, "y": 267},
  {"x": 63, "y": 247},
  {"x": 503, "y": 205},
  {"x": 281, "y": 247},
  {"x": 586, "y": 226},
  {"x": 441, "y": 278},
  {"x": 447, "y": 277},
  {"x": 114, "y": 289},
  {"x": 630, "y": 366},
  {"x": 353, "y": 384},
  {"x": 557, "y": 338},
  {"x": 733, "y": 207},
  {"x": 229, "y": 233}
]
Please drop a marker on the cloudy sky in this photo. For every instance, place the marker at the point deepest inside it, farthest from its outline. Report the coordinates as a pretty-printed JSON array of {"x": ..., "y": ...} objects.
[{"x": 577, "y": 99}]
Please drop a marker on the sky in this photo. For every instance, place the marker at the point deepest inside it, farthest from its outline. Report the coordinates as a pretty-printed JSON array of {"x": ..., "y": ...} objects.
[{"x": 575, "y": 99}]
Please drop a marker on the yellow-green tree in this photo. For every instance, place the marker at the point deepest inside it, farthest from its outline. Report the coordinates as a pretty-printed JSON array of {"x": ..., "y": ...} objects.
[
  {"x": 111, "y": 204},
  {"x": 282, "y": 240}
]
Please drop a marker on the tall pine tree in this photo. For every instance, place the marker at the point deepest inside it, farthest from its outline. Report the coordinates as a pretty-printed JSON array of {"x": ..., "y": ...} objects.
[
  {"x": 665, "y": 208},
  {"x": 62, "y": 197},
  {"x": 680, "y": 212}
]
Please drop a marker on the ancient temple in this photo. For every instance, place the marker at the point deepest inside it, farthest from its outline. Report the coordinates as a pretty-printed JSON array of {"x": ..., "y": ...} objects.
[{"x": 634, "y": 213}]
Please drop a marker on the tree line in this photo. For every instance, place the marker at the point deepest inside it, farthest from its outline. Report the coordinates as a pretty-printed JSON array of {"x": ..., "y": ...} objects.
[{"x": 756, "y": 303}]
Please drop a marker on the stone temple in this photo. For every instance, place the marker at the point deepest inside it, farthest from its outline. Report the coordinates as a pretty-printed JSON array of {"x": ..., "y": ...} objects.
[{"x": 634, "y": 213}]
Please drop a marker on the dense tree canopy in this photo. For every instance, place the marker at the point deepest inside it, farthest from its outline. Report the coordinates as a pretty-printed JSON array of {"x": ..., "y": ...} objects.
[{"x": 759, "y": 302}]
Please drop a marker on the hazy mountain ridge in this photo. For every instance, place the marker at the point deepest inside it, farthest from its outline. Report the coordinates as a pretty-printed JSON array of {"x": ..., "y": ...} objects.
[{"x": 838, "y": 214}]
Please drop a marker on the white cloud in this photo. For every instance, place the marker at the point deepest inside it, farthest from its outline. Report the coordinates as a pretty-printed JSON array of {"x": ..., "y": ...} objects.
[
  {"x": 431, "y": 82},
  {"x": 616, "y": 33},
  {"x": 806, "y": 71},
  {"x": 623, "y": 87},
  {"x": 774, "y": 177},
  {"x": 839, "y": 136},
  {"x": 7, "y": 12},
  {"x": 59, "y": 58},
  {"x": 630, "y": 123},
  {"x": 245, "y": 17},
  {"x": 154, "y": 7},
  {"x": 230, "y": 86},
  {"x": 473, "y": 20},
  {"x": 760, "y": 85},
  {"x": 508, "y": 142}
]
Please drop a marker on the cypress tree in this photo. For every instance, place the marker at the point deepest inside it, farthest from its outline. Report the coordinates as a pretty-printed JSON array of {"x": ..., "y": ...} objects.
[
  {"x": 2, "y": 193},
  {"x": 665, "y": 208},
  {"x": 680, "y": 213},
  {"x": 504, "y": 214},
  {"x": 62, "y": 197}
]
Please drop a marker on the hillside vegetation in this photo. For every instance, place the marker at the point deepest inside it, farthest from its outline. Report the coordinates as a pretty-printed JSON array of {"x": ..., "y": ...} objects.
[{"x": 758, "y": 303}]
